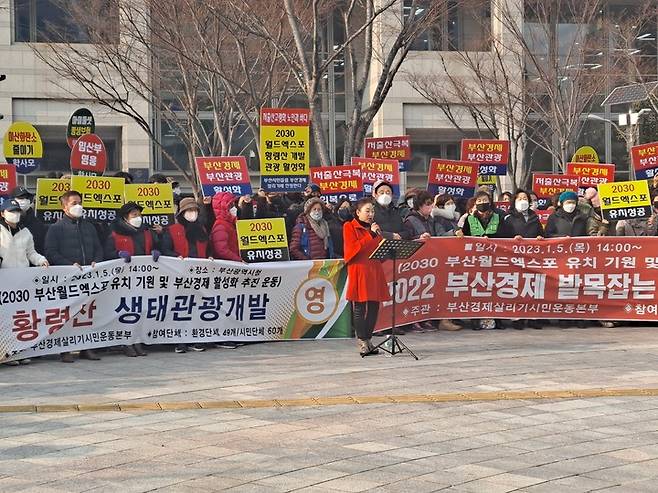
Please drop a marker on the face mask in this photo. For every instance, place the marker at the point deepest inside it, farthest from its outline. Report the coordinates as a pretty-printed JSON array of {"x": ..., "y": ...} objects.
[
  {"x": 76, "y": 211},
  {"x": 384, "y": 199},
  {"x": 191, "y": 216},
  {"x": 135, "y": 222},
  {"x": 316, "y": 215},
  {"x": 569, "y": 208},
  {"x": 534, "y": 205},
  {"x": 410, "y": 203},
  {"x": 12, "y": 217},
  {"x": 25, "y": 204},
  {"x": 344, "y": 213},
  {"x": 522, "y": 205},
  {"x": 177, "y": 191},
  {"x": 483, "y": 207},
  {"x": 233, "y": 211},
  {"x": 450, "y": 208}
]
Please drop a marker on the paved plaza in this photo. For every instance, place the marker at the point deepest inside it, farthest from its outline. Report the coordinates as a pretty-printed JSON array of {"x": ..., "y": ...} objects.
[{"x": 557, "y": 410}]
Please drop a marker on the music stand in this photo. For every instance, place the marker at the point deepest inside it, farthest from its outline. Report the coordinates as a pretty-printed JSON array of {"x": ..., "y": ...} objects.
[{"x": 394, "y": 249}]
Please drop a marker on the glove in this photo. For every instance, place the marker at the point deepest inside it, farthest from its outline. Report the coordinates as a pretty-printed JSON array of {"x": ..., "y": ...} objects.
[
  {"x": 125, "y": 256},
  {"x": 155, "y": 255}
]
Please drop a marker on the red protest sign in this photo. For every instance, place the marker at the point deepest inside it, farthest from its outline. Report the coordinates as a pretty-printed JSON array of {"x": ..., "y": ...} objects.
[
  {"x": 456, "y": 178},
  {"x": 223, "y": 174},
  {"x": 592, "y": 278},
  {"x": 338, "y": 181},
  {"x": 373, "y": 170},
  {"x": 7, "y": 180},
  {"x": 88, "y": 156},
  {"x": 493, "y": 155},
  {"x": 398, "y": 148},
  {"x": 591, "y": 174},
  {"x": 546, "y": 185},
  {"x": 645, "y": 160}
]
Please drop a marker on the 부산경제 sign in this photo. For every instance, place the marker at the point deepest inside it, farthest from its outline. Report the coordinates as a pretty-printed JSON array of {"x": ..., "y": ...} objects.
[
  {"x": 645, "y": 160},
  {"x": 223, "y": 174},
  {"x": 398, "y": 148},
  {"x": 546, "y": 185},
  {"x": 455, "y": 178},
  {"x": 7, "y": 181},
  {"x": 373, "y": 170},
  {"x": 338, "y": 183},
  {"x": 492, "y": 155},
  {"x": 591, "y": 174}
]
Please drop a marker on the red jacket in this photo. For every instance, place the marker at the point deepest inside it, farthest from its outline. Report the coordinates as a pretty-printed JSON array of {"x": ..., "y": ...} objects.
[
  {"x": 366, "y": 281},
  {"x": 224, "y": 236},
  {"x": 181, "y": 245}
]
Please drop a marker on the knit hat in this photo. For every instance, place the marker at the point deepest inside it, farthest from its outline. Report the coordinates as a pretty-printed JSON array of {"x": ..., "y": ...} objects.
[
  {"x": 128, "y": 207},
  {"x": 311, "y": 202},
  {"x": 378, "y": 184},
  {"x": 186, "y": 204},
  {"x": 569, "y": 195}
]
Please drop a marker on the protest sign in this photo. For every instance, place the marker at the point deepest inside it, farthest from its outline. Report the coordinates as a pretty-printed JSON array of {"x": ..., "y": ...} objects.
[
  {"x": 284, "y": 149},
  {"x": 223, "y": 174},
  {"x": 543, "y": 216},
  {"x": 49, "y": 311},
  {"x": 456, "y": 178},
  {"x": 492, "y": 155},
  {"x": 489, "y": 181},
  {"x": 23, "y": 147},
  {"x": 373, "y": 170},
  {"x": 81, "y": 123},
  {"x": 338, "y": 183},
  {"x": 101, "y": 196},
  {"x": 594, "y": 278},
  {"x": 591, "y": 174},
  {"x": 7, "y": 181},
  {"x": 398, "y": 148},
  {"x": 625, "y": 200},
  {"x": 585, "y": 154},
  {"x": 88, "y": 156},
  {"x": 157, "y": 199},
  {"x": 645, "y": 160},
  {"x": 546, "y": 186},
  {"x": 263, "y": 240},
  {"x": 47, "y": 205}
]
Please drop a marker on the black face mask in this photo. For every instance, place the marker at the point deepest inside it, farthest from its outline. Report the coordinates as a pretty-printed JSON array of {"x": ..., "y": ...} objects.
[{"x": 483, "y": 207}]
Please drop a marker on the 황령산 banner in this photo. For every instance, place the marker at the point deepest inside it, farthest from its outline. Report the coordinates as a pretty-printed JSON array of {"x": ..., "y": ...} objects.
[{"x": 58, "y": 309}]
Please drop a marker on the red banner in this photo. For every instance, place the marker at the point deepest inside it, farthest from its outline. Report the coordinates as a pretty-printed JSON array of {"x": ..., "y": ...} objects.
[
  {"x": 88, "y": 156},
  {"x": 373, "y": 170},
  {"x": 338, "y": 181},
  {"x": 547, "y": 185},
  {"x": 591, "y": 174},
  {"x": 594, "y": 278},
  {"x": 645, "y": 160},
  {"x": 456, "y": 178},
  {"x": 398, "y": 148},
  {"x": 223, "y": 174},
  {"x": 493, "y": 155},
  {"x": 7, "y": 180}
]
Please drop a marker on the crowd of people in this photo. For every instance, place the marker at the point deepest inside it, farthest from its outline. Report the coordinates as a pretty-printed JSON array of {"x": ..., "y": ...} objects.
[{"x": 316, "y": 228}]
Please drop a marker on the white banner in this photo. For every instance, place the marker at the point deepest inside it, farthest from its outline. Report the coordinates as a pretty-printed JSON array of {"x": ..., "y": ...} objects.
[{"x": 58, "y": 309}]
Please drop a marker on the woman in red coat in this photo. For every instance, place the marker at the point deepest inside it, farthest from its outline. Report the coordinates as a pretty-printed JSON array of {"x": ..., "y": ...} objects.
[
  {"x": 224, "y": 235},
  {"x": 366, "y": 284}
]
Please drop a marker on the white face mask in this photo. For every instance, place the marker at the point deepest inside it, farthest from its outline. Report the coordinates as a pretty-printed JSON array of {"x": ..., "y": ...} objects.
[
  {"x": 569, "y": 208},
  {"x": 316, "y": 215},
  {"x": 384, "y": 199},
  {"x": 25, "y": 204},
  {"x": 522, "y": 205},
  {"x": 135, "y": 222},
  {"x": 12, "y": 217},
  {"x": 76, "y": 211},
  {"x": 410, "y": 203},
  {"x": 233, "y": 211},
  {"x": 450, "y": 208},
  {"x": 191, "y": 216},
  {"x": 177, "y": 191}
]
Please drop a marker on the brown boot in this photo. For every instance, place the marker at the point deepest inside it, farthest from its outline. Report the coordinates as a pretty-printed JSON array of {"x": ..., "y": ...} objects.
[{"x": 446, "y": 324}]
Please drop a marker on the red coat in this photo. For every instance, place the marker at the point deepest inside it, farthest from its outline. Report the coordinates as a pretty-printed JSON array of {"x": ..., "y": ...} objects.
[
  {"x": 366, "y": 281},
  {"x": 181, "y": 245},
  {"x": 224, "y": 236}
]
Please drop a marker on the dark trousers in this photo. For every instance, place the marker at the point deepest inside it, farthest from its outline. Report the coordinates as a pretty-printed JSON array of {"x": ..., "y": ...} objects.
[{"x": 364, "y": 316}]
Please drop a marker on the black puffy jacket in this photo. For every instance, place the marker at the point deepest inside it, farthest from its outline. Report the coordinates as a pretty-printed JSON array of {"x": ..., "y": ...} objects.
[
  {"x": 390, "y": 220},
  {"x": 517, "y": 225},
  {"x": 73, "y": 241}
]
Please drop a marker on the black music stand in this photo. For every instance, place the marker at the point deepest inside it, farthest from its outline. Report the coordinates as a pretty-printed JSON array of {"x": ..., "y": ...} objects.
[{"x": 394, "y": 249}]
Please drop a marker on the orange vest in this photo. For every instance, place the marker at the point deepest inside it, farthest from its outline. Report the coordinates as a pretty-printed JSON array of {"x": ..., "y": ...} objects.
[{"x": 126, "y": 243}]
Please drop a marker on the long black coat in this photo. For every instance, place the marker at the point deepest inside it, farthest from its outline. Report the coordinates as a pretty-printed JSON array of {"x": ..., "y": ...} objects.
[
  {"x": 517, "y": 225},
  {"x": 70, "y": 241}
]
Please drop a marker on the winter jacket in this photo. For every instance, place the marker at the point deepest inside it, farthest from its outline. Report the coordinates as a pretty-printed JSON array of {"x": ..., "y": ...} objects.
[
  {"x": 305, "y": 244},
  {"x": 336, "y": 231},
  {"x": 365, "y": 277},
  {"x": 17, "y": 250},
  {"x": 561, "y": 224},
  {"x": 389, "y": 220},
  {"x": 447, "y": 225},
  {"x": 636, "y": 227},
  {"x": 183, "y": 247},
  {"x": 517, "y": 224},
  {"x": 500, "y": 232},
  {"x": 36, "y": 226},
  {"x": 73, "y": 241},
  {"x": 224, "y": 236},
  {"x": 596, "y": 226},
  {"x": 416, "y": 224},
  {"x": 123, "y": 237}
]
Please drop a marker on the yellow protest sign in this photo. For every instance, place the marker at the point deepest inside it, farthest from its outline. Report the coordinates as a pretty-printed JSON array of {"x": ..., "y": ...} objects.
[
  {"x": 284, "y": 149},
  {"x": 22, "y": 147},
  {"x": 585, "y": 154},
  {"x": 101, "y": 196},
  {"x": 46, "y": 202},
  {"x": 263, "y": 240},
  {"x": 157, "y": 199},
  {"x": 625, "y": 200}
]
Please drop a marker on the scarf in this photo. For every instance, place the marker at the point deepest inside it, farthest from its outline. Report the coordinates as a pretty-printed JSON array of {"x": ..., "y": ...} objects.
[
  {"x": 193, "y": 231},
  {"x": 321, "y": 229}
]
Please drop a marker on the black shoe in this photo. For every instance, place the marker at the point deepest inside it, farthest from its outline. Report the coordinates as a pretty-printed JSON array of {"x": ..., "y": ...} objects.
[
  {"x": 90, "y": 355},
  {"x": 139, "y": 349},
  {"x": 197, "y": 348},
  {"x": 129, "y": 351},
  {"x": 180, "y": 349},
  {"x": 226, "y": 345},
  {"x": 67, "y": 358}
]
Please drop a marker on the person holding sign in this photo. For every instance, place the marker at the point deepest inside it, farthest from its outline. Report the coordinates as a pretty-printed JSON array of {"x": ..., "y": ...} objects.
[
  {"x": 311, "y": 238},
  {"x": 224, "y": 235},
  {"x": 73, "y": 241},
  {"x": 366, "y": 281},
  {"x": 596, "y": 224}
]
